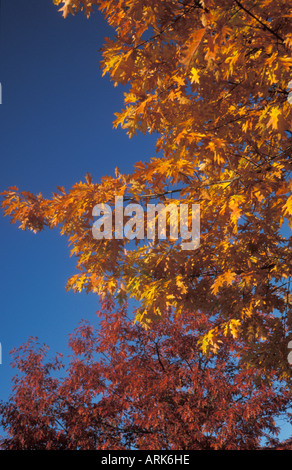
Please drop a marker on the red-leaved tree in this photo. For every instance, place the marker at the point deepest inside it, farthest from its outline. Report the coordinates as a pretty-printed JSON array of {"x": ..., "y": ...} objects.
[{"x": 126, "y": 387}]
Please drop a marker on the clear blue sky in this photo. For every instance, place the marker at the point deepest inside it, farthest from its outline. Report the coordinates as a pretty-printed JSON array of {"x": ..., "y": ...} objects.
[{"x": 55, "y": 125}]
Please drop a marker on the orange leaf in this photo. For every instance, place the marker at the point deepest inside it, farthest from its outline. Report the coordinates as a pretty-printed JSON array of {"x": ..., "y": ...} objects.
[{"x": 196, "y": 39}]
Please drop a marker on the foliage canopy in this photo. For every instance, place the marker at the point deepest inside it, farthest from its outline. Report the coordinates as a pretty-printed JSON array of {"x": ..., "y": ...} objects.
[{"x": 211, "y": 79}]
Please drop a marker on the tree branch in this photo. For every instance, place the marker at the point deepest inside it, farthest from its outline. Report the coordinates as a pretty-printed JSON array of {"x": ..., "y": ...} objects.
[
  {"x": 265, "y": 26},
  {"x": 177, "y": 190},
  {"x": 159, "y": 358}
]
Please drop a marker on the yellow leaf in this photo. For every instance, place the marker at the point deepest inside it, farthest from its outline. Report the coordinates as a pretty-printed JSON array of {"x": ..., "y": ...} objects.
[
  {"x": 233, "y": 327},
  {"x": 179, "y": 80},
  {"x": 274, "y": 118},
  {"x": 235, "y": 210},
  {"x": 181, "y": 285},
  {"x": 288, "y": 205},
  {"x": 194, "y": 76}
]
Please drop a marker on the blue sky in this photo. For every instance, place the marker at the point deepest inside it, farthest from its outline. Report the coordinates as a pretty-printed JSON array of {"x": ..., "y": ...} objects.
[{"x": 56, "y": 125}]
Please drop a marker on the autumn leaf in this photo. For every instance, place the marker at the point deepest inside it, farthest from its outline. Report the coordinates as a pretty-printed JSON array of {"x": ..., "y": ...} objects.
[
  {"x": 225, "y": 279},
  {"x": 195, "y": 41},
  {"x": 194, "y": 75},
  {"x": 274, "y": 118},
  {"x": 233, "y": 327},
  {"x": 288, "y": 206}
]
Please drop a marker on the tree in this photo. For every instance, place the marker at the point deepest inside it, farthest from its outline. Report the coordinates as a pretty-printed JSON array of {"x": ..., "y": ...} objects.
[
  {"x": 131, "y": 388},
  {"x": 211, "y": 78}
]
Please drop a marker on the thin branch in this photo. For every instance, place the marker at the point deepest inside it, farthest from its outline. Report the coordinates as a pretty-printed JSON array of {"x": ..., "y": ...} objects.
[
  {"x": 265, "y": 26},
  {"x": 156, "y": 36},
  {"x": 268, "y": 266},
  {"x": 177, "y": 190},
  {"x": 159, "y": 358}
]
